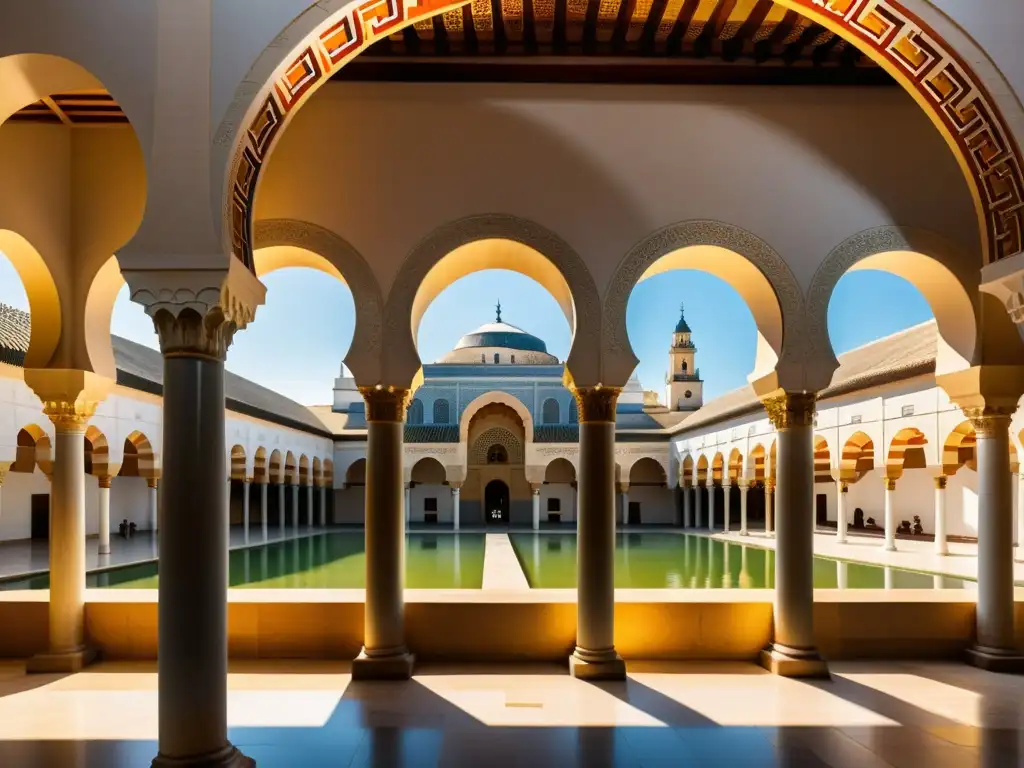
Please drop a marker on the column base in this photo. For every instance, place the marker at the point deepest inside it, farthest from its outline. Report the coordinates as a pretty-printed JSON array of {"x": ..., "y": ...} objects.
[
  {"x": 789, "y": 662},
  {"x": 612, "y": 668},
  {"x": 996, "y": 660},
  {"x": 229, "y": 757},
  {"x": 62, "y": 663},
  {"x": 890, "y": 548},
  {"x": 394, "y": 667},
  {"x": 104, "y": 549}
]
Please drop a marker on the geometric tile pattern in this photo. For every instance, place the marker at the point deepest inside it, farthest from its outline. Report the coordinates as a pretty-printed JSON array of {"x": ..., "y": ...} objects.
[
  {"x": 949, "y": 90},
  {"x": 360, "y": 23}
]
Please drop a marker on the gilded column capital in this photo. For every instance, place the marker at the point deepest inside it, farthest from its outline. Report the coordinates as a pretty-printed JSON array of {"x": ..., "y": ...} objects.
[
  {"x": 988, "y": 420},
  {"x": 596, "y": 403},
  {"x": 456, "y": 488},
  {"x": 890, "y": 483},
  {"x": 385, "y": 403},
  {"x": 104, "y": 481},
  {"x": 535, "y": 488},
  {"x": 843, "y": 487},
  {"x": 70, "y": 416},
  {"x": 940, "y": 482},
  {"x": 152, "y": 482},
  {"x": 196, "y": 312},
  {"x": 790, "y": 409}
]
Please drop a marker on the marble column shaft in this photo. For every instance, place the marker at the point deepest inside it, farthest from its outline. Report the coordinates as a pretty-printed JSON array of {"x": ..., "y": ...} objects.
[
  {"x": 595, "y": 654},
  {"x": 295, "y": 507},
  {"x": 726, "y": 494},
  {"x": 103, "y": 494},
  {"x": 456, "y": 504},
  {"x": 699, "y": 503},
  {"x": 743, "y": 510},
  {"x": 889, "y": 543},
  {"x": 841, "y": 490},
  {"x": 687, "y": 507},
  {"x": 536, "y": 508},
  {"x": 941, "y": 543},
  {"x": 245, "y": 511},
  {"x": 264, "y": 523}
]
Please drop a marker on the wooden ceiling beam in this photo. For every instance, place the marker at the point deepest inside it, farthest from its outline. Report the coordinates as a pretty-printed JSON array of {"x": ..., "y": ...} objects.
[
  {"x": 529, "y": 28},
  {"x": 559, "y": 36},
  {"x": 795, "y": 50},
  {"x": 498, "y": 27},
  {"x": 626, "y": 9},
  {"x": 765, "y": 49},
  {"x": 590, "y": 26},
  {"x": 651, "y": 26},
  {"x": 733, "y": 48},
  {"x": 49, "y": 102},
  {"x": 821, "y": 53},
  {"x": 674, "y": 43}
]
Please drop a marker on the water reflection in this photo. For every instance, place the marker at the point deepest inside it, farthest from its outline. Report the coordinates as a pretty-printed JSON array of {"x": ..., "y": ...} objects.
[{"x": 677, "y": 561}]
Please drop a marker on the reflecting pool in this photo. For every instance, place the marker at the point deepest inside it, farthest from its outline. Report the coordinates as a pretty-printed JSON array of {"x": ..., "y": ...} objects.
[
  {"x": 327, "y": 561},
  {"x": 682, "y": 561}
]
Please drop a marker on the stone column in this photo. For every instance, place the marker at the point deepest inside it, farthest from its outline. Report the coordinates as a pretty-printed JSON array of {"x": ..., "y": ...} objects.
[
  {"x": 726, "y": 498},
  {"x": 457, "y": 503},
  {"x": 67, "y": 651},
  {"x": 384, "y": 654},
  {"x": 595, "y": 656},
  {"x": 624, "y": 497},
  {"x": 245, "y": 511},
  {"x": 1020, "y": 517},
  {"x": 104, "y": 511},
  {"x": 941, "y": 545},
  {"x": 323, "y": 506},
  {"x": 264, "y": 524},
  {"x": 536, "y": 507},
  {"x": 295, "y": 506},
  {"x": 889, "y": 544},
  {"x": 193, "y": 544},
  {"x": 282, "y": 508},
  {"x": 711, "y": 505},
  {"x": 687, "y": 507},
  {"x": 310, "y": 506},
  {"x": 996, "y": 644},
  {"x": 699, "y": 497},
  {"x": 769, "y": 503},
  {"x": 744, "y": 487},
  {"x": 792, "y": 652},
  {"x": 153, "y": 485},
  {"x": 841, "y": 490},
  {"x": 408, "y": 504}
]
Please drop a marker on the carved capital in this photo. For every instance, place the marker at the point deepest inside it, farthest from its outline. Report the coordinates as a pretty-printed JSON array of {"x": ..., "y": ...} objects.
[
  {"x": 385, "y": 403},
  {"x": 69, "y": 416},
  {"x": 152, "y": 482},
  {"x": 890, "y": 483},
  {"x": 596, "y": 403},
  {"x": 844, "y": 488},
  {"x": 104, "y": 481},
  {"x": 791, "y": 409},
  {"x": 940, "y": 482},
  {"x": 623, "y": 487},
  {"x": 989, "y": 420},
  {"x": 456, "y": 488},
  {"x": 197, "y": 312},
  {"x": 535, "y": 488},
  {"x": 3, "y": 474}
]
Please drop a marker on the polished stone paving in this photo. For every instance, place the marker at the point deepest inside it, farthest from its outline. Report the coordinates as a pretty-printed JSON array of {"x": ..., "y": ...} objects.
[{"x": 295, "y": 714}]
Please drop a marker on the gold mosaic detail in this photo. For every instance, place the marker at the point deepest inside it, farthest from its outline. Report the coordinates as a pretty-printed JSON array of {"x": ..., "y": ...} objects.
[
  {"x": 988, "y": 420},
  {"x": 385, "y": 403},
  {"x": 69, "y": 417},
  {"x": 596, "y": 403}
]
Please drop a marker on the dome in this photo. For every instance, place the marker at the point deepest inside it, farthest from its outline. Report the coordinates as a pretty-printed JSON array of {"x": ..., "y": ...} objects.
[
  {"x": 502, "y": 335},
  {"x": 500, "y": 342}
]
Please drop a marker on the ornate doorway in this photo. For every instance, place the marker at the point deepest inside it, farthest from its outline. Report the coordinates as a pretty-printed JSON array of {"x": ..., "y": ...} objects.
[{"x": 496, "y": 503}]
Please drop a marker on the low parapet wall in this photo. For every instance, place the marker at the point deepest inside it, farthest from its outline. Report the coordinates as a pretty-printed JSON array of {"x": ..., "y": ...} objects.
[{"x": 534, "y": 625}]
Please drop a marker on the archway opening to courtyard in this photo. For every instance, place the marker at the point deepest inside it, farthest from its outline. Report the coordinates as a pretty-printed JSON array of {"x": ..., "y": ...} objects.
[
  {"x": 430, "y": 496},
  {"x": 558, "y": 492},
  {"x": 496, "y": 439},
  {"x": 650, "y": 501},
  {"x": 676, "y": 286}
]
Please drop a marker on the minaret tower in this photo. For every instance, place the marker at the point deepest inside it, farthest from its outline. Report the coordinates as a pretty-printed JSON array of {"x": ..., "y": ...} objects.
[{"x": 685, "y": 387}]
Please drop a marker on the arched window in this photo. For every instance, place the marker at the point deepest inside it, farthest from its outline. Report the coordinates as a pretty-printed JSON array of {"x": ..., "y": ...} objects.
[
  {"x": 497, "y": 358},
  {"x": 497, "y": 454},
  {"x": 684, "y": 366},
  {"x": 415, "y": 415},
  {"x": 441, "y": 411},
  {"x": 550, "y": 413}
]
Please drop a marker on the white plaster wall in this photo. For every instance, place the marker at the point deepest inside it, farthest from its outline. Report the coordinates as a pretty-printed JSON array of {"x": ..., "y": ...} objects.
[
  {"x": 350, "y": 505},
  {"x": 15, "y": 503},
  {"x": 563, "y": 491},
  {"x": 657, "y": 505},
  {"x": 442, "y": 493},
  {"x": 635, "y": 159}
]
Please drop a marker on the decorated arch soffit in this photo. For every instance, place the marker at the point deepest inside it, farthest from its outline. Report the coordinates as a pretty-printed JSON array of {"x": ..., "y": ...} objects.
[
  {"x": 689, "y": 234},
  {"x": 363, "y": 357},
  {"x": 953, "y": 96},
  {"x": 584, "y": 354},
  {"x": 344, "y": 30}
]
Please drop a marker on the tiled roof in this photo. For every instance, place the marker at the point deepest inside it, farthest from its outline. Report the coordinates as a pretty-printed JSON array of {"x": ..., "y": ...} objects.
[
  {"x": 903, "y": 355},
  {"x": 556, "y": 433},
  {"x": 431, "y": 433},
  {"x": 142, "y": 368},
  {"x": 14, "y": 333}
]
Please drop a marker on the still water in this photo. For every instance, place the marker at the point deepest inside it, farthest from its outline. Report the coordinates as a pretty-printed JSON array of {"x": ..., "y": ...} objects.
[
  {"x": 681, "y": 561},
  {"x": 329, "y": 561}
]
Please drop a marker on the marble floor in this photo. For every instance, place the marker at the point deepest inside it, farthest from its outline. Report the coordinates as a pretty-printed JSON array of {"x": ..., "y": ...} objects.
[
  {"x": 962, "y": 559},
  {"x": 295, "y": 714}
]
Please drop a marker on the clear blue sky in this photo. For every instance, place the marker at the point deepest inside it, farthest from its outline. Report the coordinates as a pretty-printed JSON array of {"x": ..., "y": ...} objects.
[{"x": 302, "y": 333}]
